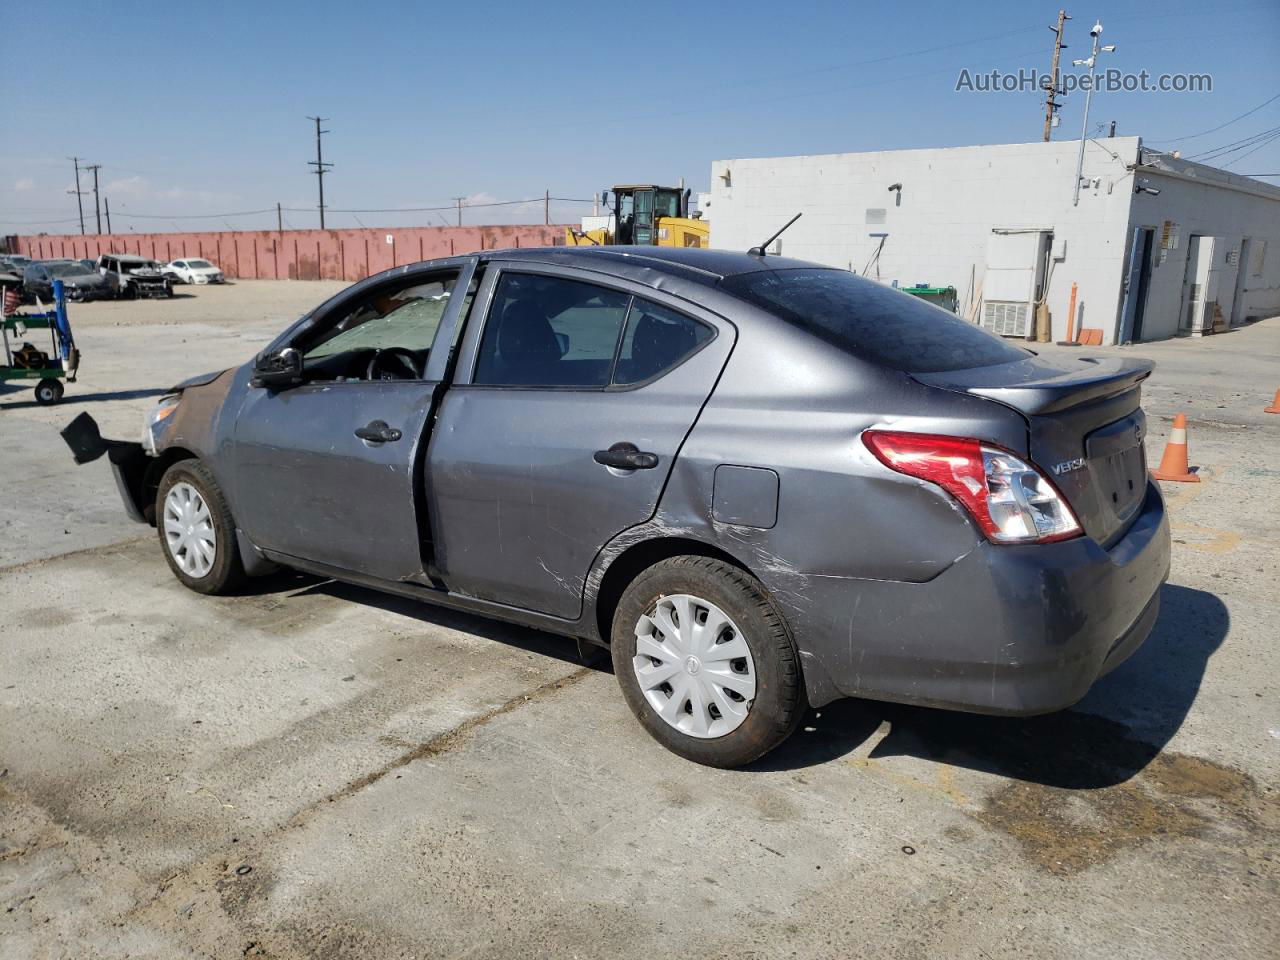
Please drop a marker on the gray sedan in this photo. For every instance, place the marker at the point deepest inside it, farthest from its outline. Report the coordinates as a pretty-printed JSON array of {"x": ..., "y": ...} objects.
[{"x": 762, "y": 483}]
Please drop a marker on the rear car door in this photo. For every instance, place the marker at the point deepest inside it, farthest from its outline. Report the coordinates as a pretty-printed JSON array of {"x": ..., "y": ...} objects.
[
  {"x": 571, "y": 402},
  {"x": 328, "y": 470}
]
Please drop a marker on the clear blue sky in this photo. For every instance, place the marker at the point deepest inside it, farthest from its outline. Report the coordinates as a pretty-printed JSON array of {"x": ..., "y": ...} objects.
[{"x": 199, "y": 108}]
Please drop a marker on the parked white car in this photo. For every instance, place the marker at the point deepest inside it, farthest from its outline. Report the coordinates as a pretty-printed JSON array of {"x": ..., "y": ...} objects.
[{"x": 194, "y": 270}]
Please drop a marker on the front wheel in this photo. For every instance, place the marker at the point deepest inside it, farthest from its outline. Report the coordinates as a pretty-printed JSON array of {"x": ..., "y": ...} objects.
[
  {"x": 196, "y": 531},
  {"x": 706, "y": 662}
]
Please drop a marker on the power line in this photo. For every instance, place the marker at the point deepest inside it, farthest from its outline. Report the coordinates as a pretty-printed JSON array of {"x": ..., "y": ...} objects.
[
  {"x": 1205, "y": 133},
  {"x": 198, "y": 216},
  {"x": 1229, "y": 148},
  {"x": 1254, "y": 150},
  {"x": 459, "y": 204},
  {"x": 453, "y": 206},
  {"x": 38, "y": 223}
]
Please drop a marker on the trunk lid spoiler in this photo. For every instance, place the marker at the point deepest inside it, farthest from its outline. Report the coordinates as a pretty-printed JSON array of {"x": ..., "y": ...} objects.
[{"x": 1038, "y": 385}]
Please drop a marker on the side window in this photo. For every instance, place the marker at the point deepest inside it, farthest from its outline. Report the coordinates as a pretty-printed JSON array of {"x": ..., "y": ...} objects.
[
  {"x": 549, "y": 331},
  {"x": 656, "y": 339},
  {"x": 402, "y": 320}
]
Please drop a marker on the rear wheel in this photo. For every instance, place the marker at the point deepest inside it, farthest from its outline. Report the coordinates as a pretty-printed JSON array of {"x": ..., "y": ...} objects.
[
  {"x": 706, "y": 662},
  {"x": 49, "y": 390},
  {"x": 196, "y": 531}
]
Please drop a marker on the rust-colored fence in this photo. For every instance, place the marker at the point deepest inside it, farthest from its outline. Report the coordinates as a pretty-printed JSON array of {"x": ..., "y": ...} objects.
[{"x": 297, "y": 254}]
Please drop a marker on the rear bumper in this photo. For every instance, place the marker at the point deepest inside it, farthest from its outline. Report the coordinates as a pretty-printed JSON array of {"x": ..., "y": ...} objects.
[{"x": 1004, "y": 630}]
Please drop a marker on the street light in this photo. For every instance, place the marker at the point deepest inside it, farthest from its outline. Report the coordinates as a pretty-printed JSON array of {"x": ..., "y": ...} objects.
[{"x": 1091, "y": 63}]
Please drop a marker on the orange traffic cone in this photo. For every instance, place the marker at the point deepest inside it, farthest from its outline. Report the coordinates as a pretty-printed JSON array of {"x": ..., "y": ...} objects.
[
  {"x": 1173, "y": 465},
  {"x": 1275, "y": 405}
]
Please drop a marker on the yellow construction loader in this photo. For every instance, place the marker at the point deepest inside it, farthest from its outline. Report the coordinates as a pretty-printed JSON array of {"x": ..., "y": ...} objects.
[{"x": 647, "y": 215}]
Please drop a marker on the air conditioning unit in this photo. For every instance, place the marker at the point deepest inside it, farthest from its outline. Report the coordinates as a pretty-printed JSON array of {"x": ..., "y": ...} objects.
[
  {"x": 1006, "y": 318},
  {"x": 1016, "y": 261}
]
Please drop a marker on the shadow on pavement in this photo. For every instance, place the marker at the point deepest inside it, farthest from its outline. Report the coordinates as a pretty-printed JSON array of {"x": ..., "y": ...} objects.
[
  {"x": 534, "y": 641},
  {"x": 1111, "y": 735},
  {"x": 72, "y": 397}
]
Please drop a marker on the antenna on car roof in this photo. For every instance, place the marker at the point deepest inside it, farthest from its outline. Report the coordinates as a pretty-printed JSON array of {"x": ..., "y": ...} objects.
[{"x": 759, "y": 251}]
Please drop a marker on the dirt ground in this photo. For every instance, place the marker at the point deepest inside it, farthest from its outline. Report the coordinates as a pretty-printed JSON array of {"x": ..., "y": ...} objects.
[{"x": 317, "y": 770}]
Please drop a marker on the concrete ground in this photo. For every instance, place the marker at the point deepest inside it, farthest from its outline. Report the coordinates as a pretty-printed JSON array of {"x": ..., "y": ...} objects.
[{"x": 316, "y": 770}]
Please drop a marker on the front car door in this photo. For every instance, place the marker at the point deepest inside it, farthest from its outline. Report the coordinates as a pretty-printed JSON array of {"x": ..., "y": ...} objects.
[
  {"x": 328, "y": 470},
  {"x": 571, "y": 402}
]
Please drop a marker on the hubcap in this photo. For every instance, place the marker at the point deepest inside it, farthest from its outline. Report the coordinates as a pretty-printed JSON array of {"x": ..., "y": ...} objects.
[
  {"x": 694, "y": 667},
  {"x": 188, "y": 530}
]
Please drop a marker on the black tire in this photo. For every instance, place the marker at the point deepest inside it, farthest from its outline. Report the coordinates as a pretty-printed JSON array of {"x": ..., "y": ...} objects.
[
  {"x": 779, "y": 702},
  {"x": 49, "y": 390},
  {"x": 227, "y": 571}
]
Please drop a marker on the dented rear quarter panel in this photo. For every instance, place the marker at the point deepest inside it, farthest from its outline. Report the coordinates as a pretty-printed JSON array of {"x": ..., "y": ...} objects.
[{"x": 792, "y": 404}]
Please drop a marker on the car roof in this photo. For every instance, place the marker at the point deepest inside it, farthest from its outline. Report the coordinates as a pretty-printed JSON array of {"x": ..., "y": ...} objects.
[
  {"x": 695, "y": 263},
  {"x": 128, "y": 258}
]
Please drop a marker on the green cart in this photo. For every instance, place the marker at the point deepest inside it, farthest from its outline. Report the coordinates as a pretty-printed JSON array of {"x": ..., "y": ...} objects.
[
  {"x": 944, "y": 297},
  {"x": 23, "y": 360}
]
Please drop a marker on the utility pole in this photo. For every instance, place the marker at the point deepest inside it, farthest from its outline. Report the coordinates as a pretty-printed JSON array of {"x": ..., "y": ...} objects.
[
  {"x": 1051, "y": 104},
  {"x": 1091, "y": 63},
  {"x": 79, "y": 194},
  {"x": 321, "y": 167},
  {"x": 279, "y": 218},
  {"x": 97, "y": 210},
  {"x": 106, "y": 202},
  {"x": 458, "y": 201},
  {"x": 546, "y": 208}
]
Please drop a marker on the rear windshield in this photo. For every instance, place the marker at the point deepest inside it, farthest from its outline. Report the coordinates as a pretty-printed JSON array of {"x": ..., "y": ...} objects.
[{"x": 871, "y": 321}]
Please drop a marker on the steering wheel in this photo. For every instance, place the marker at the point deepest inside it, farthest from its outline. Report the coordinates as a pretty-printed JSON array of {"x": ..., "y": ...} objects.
[{"x": 393, "y": 363}]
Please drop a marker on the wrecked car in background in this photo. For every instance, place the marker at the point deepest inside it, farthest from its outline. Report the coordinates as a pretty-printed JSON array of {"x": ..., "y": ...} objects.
[
  {"x": 763, "y": 483},
  {"x": 81, "y": 283},
  {"x": 131, "y": 277}
]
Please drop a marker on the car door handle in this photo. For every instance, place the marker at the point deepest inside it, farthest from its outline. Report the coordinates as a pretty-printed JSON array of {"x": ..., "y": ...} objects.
[
  {"x": 378, "y": 432},
  {"x": 625, "y": 456}
]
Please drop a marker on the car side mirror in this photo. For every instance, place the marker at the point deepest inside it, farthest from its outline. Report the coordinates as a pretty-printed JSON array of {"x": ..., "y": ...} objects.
[{"x": 278, "y": 370}]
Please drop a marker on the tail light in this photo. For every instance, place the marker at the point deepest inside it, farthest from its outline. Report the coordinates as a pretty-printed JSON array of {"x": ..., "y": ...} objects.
[{"x": 1011, "y": 501}]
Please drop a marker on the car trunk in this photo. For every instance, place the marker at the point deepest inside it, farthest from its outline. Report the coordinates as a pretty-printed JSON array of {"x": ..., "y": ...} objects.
[{"x": 1085, "y": 429}]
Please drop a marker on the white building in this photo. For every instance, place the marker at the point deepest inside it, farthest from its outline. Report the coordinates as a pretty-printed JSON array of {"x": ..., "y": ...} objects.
[{"x": 1156, "y": 246}]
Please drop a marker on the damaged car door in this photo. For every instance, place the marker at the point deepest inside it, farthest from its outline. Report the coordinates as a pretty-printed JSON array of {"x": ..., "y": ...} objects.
[
  {"x": 571, "y": 401},
  {"x": 328, "y": 442}
]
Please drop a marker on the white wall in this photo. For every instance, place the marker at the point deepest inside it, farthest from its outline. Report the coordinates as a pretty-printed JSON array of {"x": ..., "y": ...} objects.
[
  {"x": 951, "y": 199},
  {"x": 1200, "y": 200}
]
